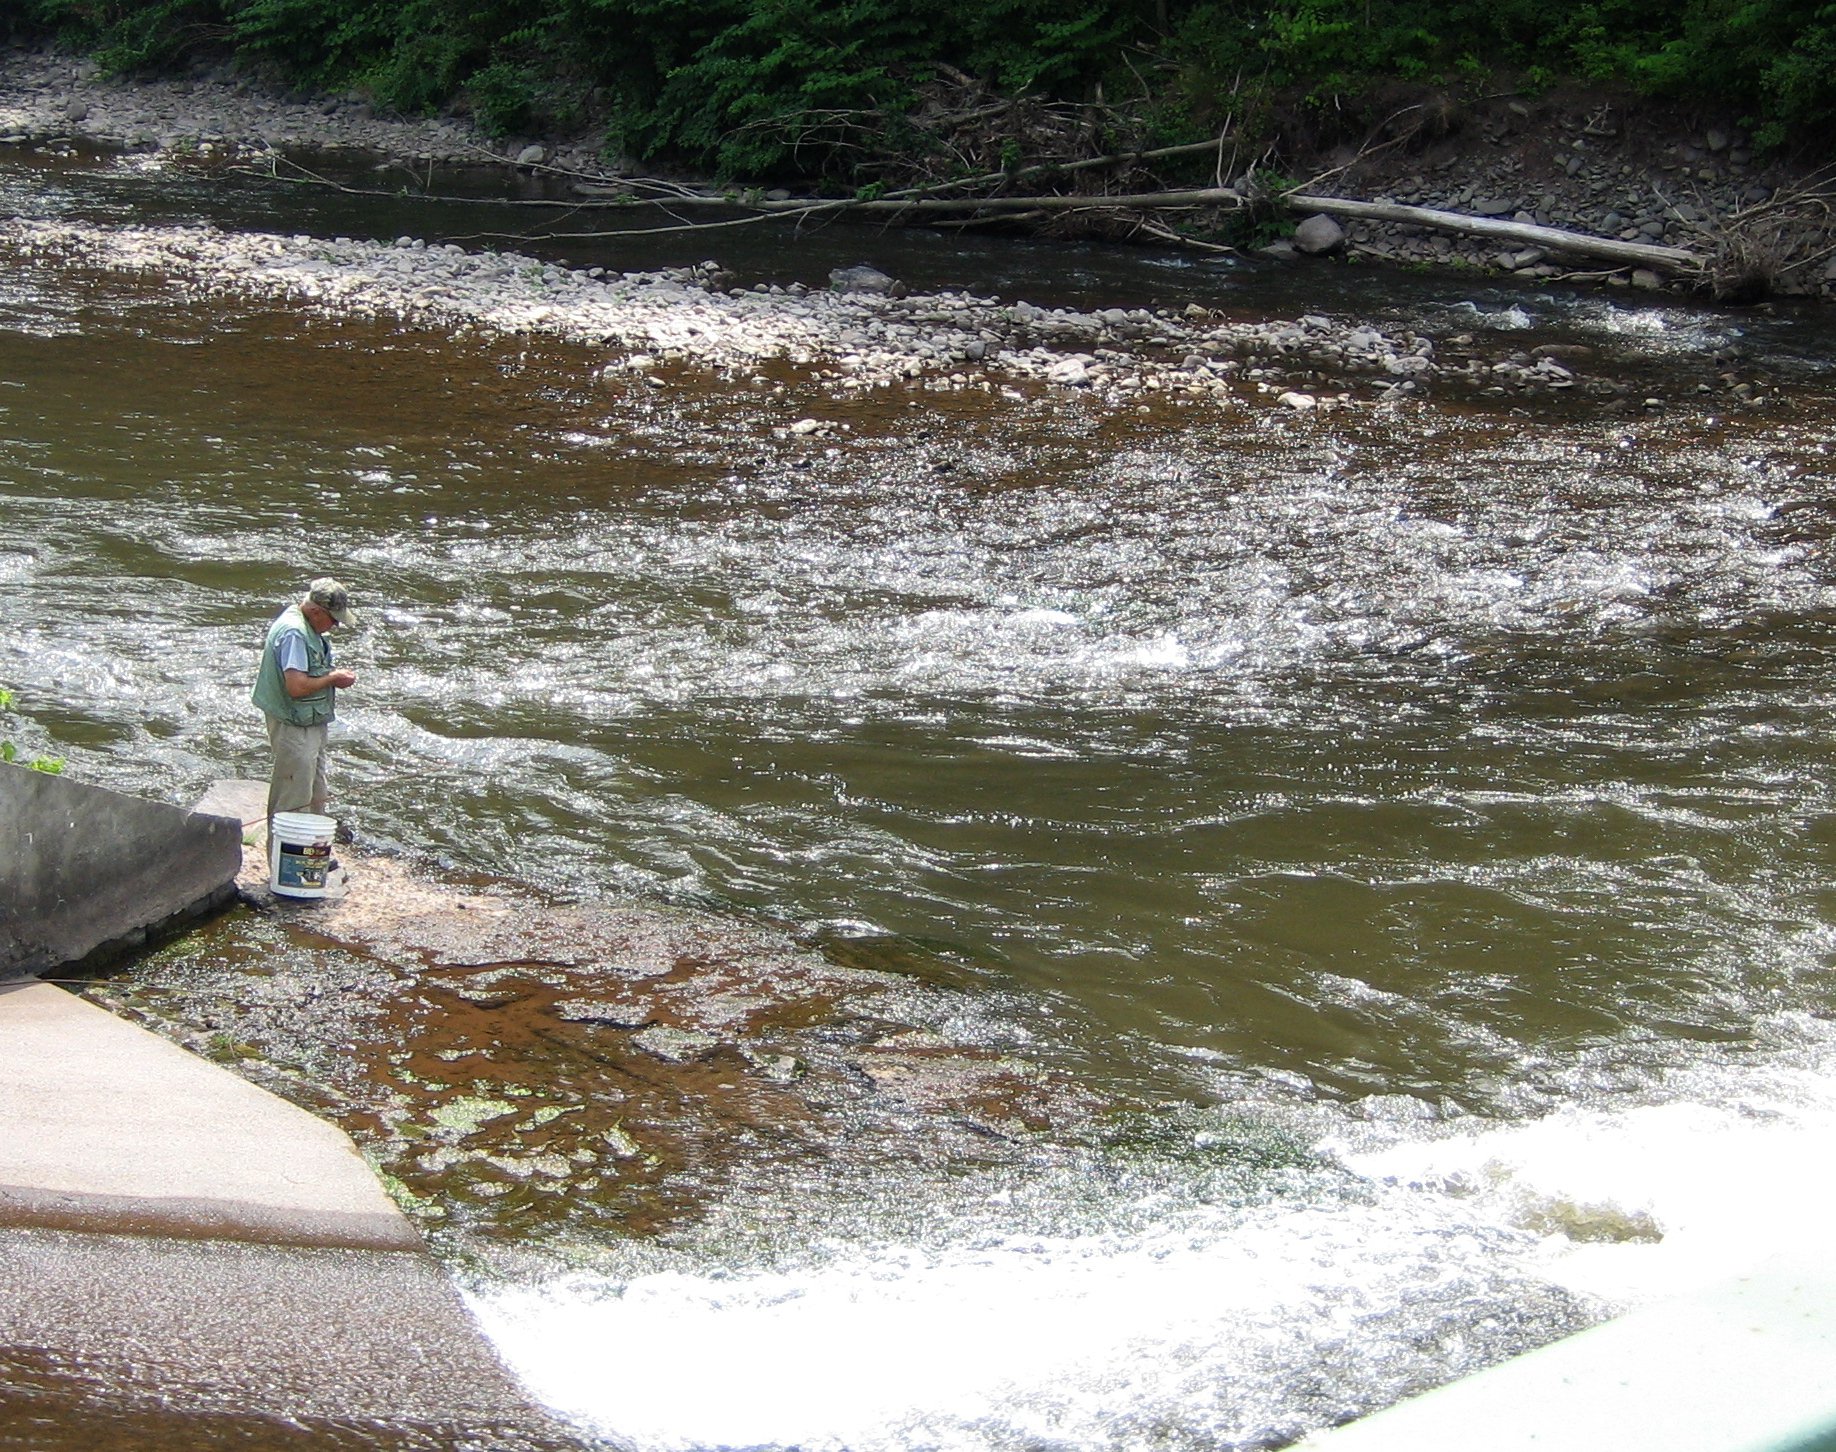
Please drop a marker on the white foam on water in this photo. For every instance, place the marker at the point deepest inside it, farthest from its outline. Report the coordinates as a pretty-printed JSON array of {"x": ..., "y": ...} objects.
[
  {"x": 1639, "y": 1202},
  {"x": 1194, "y": 1325},
  {"x": 1207, "y": 1331},
  {"x": 1042, "y": 616}
]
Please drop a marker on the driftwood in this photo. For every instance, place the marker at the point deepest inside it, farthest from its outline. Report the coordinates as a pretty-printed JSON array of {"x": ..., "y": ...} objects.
[
  {"x": 1529, "y": 234},
  {"x": 967, "y": 210},
  {"x": 993, "y": 178},
  {"x": 893, "y": 206},
  {"x": 1147, "y": 201},
  {"x": 1525, "y": 234}
]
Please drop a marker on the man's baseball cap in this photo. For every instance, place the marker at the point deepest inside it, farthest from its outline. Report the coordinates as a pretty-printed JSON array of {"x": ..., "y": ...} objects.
[{"x": 332, "y": 598}]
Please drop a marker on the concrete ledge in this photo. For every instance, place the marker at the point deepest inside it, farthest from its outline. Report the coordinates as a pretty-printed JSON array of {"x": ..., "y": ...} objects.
[
  {"x": 85, "y": 871},
  {"x": 113, "y": 1128},
  {"x": 110, "y": 1341},
  {"x": 1749, "y": 1366}
]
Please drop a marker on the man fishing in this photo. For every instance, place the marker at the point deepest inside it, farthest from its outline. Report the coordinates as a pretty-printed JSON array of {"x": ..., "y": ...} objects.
[{"x": 297, "y": 689}]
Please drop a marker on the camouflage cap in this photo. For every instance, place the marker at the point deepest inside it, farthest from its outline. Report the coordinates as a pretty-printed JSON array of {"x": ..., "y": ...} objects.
[{"x": 332, "y": 598}]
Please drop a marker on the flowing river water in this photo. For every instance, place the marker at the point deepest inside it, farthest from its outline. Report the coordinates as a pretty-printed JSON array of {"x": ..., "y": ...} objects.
[{"x": 1434, "y": 798}]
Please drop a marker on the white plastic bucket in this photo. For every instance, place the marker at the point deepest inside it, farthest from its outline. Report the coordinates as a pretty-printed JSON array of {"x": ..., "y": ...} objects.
[{"x": 300, "y": 854}]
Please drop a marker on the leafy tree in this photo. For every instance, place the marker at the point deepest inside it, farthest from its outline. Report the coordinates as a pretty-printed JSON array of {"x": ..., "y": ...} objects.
[{"x": 735, "y": 84}]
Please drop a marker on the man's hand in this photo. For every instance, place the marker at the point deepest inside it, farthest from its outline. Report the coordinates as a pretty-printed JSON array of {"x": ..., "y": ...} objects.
[{"x": 300, "y": 684}]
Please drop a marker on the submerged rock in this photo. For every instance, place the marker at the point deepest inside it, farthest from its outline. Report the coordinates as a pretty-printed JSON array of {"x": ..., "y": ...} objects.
[
  {"x": 521, "y": 1068},
  {"x": 864, "y": 279},
  {"x": 677, "y": 1045}
]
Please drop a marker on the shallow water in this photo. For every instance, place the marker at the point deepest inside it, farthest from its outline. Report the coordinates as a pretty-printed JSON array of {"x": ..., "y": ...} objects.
[{"x": 1445, "y": 787}]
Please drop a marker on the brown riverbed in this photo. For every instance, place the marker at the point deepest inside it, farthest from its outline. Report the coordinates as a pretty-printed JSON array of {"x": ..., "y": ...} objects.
[{"x": 527, "y": 1070}]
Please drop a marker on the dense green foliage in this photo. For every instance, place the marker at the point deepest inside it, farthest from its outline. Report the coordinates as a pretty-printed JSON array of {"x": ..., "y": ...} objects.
[
  {"x": 1771, "y": 61},
  {"x": 731, "y": 83}
]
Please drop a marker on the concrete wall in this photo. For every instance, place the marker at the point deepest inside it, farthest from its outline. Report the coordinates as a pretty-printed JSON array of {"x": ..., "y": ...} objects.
[
  {"x": 85, "y": 871},
  {"x": 1748, "y": 1365}
]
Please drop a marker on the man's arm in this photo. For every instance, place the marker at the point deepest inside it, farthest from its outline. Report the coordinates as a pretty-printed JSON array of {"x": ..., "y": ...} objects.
[{"x": 300, "y": 684}]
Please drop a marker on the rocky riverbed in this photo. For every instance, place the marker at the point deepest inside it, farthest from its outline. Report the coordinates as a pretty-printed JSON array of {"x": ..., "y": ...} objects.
[
  {"x": 1573, "y": 162},
  {"x": 863, "y": 333},
  {"x": 1570, "y": 162},
  {"x": 858, "y": 335},
  {"x": 528, "y": 1070}
]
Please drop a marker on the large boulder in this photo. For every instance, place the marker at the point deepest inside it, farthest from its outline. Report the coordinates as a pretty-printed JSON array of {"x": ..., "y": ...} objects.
[
  {"x": 1319, "y": 236},
  {"x": 862, "y": 278}
]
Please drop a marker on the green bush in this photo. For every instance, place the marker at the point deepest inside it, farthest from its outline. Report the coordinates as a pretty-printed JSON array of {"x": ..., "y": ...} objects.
[
  {"x": 748, "y": 86},
  {"x": 728, "y": 82},
  {"x": 1774, "y": 58}
]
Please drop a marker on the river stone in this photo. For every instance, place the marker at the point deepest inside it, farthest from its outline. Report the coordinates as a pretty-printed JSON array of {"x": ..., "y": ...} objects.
[
  {"x": 862, "y": 278},
  {"x": 489, "y": 998},
  {"x": 676, "y": 1045},
  {"x": 602, "y": 1011},
  {"x": 467, "y": 1113},
  {"x": 779, "y": 1068},
  {"x": 1319, "y": 236},
  {"x": 619, "y": 1143},
  {"x": 1395, "y": 1109},
  {"x": 532, "y": 156}
]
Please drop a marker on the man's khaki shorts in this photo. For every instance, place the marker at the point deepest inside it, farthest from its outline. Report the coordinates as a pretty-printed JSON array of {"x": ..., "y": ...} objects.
[{"x": 298, "y": 782}]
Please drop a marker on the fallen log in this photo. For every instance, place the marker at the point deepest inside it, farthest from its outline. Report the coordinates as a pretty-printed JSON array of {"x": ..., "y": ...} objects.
[
  {"x": 1526, "y": 234},
  {"x": 1529, "y": 234},
  {"x": 882, "y": 206}
]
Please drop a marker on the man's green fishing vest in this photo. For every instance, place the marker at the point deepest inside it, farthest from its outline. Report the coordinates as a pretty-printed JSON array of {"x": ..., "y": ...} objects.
[{"x": 270, "y": 691}]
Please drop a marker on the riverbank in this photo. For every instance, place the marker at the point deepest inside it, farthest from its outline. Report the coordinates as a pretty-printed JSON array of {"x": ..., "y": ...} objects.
[
  {"x": 1572, "y": 161},
  {"x": 859, "y": 337}
]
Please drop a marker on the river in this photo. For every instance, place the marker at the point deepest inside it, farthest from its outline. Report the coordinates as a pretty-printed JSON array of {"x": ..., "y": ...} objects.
[{"x": 1444, "y": 790}]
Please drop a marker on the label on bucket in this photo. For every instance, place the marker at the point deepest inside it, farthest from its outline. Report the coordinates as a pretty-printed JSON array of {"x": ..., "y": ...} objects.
[{"x": 302, "y": 865}]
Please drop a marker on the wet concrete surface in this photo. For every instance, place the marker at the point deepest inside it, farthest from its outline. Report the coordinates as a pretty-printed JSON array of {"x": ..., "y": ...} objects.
[
  {"x": 187, "y": 1261},
  {"x": 113, "y": 1130},
  {"x": 110, "y": 1341}
]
